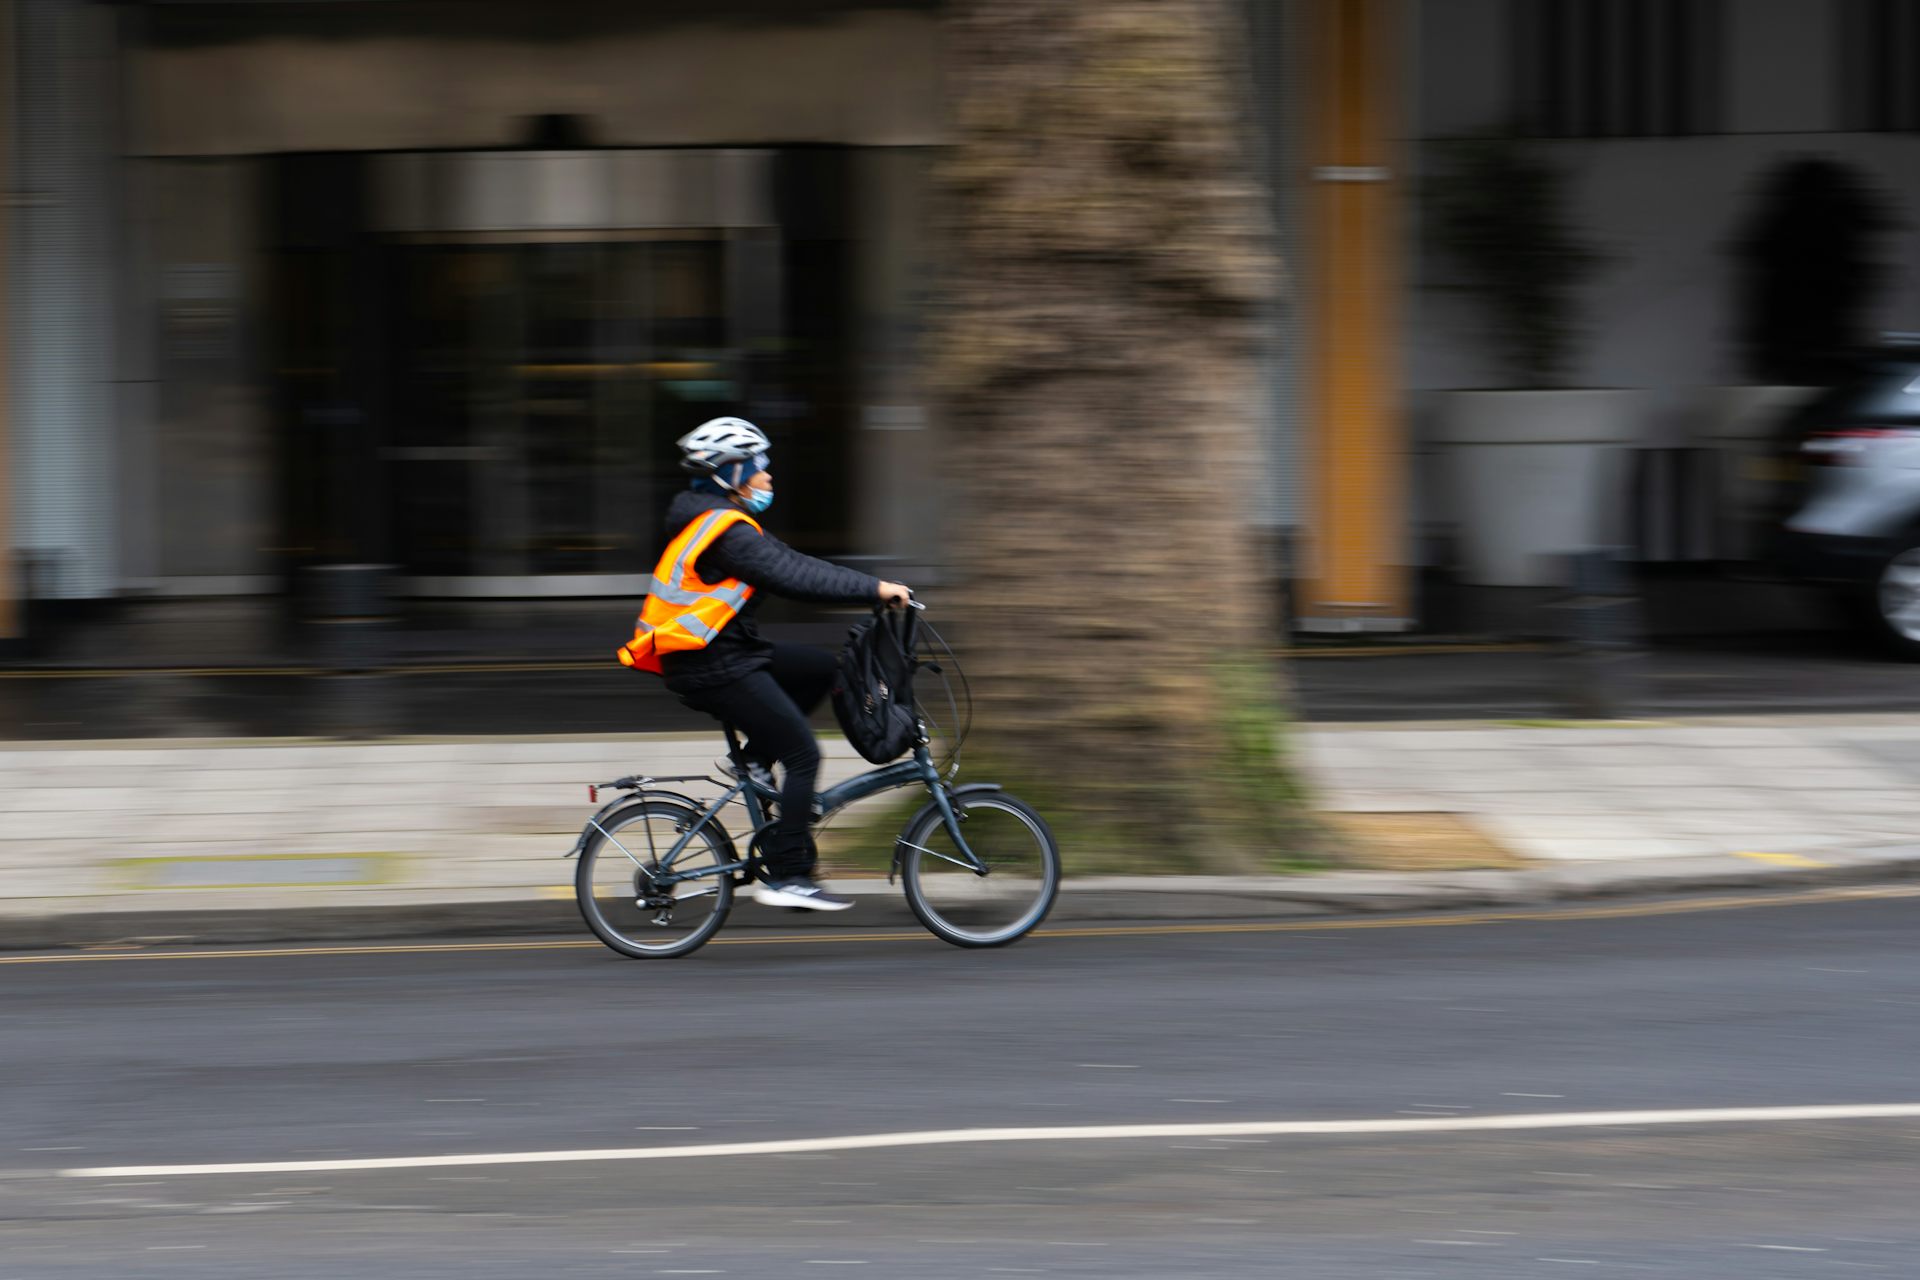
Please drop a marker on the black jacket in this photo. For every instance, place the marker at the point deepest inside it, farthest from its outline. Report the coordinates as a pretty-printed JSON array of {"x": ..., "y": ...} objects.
[{"x": 765, "y": 563}]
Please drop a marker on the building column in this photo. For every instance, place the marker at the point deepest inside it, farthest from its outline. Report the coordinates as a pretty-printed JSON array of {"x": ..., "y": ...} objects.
[
  {"x": 62, "y": 428},
  {"x": 900, "y": 511},
  {"x": 12, "y": 612},
  {"x": 1353, "y": 576}
]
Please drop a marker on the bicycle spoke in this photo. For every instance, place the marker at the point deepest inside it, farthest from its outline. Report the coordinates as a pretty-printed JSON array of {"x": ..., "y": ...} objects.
[
  {"x": 624, "y": 905},
  {"x": 999, "y": 897},
  {"x": 622, "y": 848},
  {"x": 958, "y": 860}
]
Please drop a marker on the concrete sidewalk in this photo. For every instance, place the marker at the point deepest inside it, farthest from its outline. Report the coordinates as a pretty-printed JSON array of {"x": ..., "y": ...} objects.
[
  {"x": 1785, "y": 785},
  {"x": 285, "y": 839}
]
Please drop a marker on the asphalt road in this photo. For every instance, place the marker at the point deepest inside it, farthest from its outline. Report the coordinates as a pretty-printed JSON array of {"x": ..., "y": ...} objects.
[{"x": 479, "y": 1050}]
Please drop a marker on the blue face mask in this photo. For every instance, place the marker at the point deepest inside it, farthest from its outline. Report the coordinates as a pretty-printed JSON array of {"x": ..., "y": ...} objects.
[{"x": 757, "y": 500}]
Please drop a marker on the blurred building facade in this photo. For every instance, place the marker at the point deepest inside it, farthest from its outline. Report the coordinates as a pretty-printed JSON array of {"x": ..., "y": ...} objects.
[
  {"x": 1680, "y": 133},
  {"x": 436, "y": 284},
  {"x": 1667, "y": 129}
]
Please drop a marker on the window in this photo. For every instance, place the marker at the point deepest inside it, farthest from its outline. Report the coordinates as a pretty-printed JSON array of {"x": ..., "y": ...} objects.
[
  {"x": 1879, "y": 49},
  {"x": 1617, "y": 68}
]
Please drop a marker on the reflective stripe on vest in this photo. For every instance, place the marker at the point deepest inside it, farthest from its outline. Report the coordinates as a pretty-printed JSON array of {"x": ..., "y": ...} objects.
[
  {"x": 736, "y": 596},
  {"x": 682, "y": 611}
]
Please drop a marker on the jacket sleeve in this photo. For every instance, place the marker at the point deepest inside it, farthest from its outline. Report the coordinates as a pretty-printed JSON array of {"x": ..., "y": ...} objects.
[{"x": 763, "y": 561}]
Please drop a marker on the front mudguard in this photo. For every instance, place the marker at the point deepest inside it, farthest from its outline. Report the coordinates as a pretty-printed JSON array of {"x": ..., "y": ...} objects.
[{"x": 932, "y": 806}]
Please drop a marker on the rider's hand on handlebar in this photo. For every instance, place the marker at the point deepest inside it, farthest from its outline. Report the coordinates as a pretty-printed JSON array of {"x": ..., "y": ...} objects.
[{"x": 895, "y": 595}]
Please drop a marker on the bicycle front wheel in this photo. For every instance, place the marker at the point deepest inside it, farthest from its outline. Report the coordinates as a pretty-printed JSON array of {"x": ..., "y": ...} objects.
[
  {"x": 619, "y": 898},
  {"x": 959, "y": 904}
]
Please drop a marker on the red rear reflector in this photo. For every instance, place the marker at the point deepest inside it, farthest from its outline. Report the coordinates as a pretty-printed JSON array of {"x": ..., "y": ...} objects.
[{"x": 593, "y": 795}]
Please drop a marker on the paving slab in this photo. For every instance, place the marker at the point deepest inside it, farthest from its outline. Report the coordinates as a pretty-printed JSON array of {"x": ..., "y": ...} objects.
[{"x": 466, "y": 834}]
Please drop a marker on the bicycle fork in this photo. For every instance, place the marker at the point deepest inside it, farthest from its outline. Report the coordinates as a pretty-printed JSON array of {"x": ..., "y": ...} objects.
[{"x": 951, "y": 819}]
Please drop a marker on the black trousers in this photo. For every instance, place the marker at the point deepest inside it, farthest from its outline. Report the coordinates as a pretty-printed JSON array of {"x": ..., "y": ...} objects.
[{"x": 771, "y": 707}]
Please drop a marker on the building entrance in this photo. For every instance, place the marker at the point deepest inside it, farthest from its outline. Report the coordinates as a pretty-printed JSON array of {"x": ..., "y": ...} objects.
[{"x": 483, "y": 363}]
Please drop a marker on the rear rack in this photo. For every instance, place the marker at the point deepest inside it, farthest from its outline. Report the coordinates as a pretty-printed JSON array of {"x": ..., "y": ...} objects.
[{"x": 635, "y": 782}]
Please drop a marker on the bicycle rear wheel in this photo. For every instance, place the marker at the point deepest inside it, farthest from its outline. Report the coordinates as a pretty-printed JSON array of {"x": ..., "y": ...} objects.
[
  {"x": 615, "y": 889},
  {"x": 960, "y": 905}
]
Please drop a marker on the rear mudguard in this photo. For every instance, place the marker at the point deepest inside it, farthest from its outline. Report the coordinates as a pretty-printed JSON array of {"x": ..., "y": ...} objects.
[
  {"x": 900, "y": 841},
  {"x": 612, "y": 807}
]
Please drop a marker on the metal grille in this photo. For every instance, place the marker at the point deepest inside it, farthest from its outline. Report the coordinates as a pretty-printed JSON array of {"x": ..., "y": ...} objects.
[
  {"x": 1617, "y": 68},
  {"x": 1672, "y": 503},
  {"x": 1879, "y": 49}
]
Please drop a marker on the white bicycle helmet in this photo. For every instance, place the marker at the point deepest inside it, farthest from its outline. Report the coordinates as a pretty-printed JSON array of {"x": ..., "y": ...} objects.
[{"x": 723, "y": 442}]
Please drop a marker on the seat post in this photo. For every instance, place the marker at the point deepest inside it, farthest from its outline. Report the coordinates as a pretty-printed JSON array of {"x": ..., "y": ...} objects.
[{"x": 733, "y": 744}]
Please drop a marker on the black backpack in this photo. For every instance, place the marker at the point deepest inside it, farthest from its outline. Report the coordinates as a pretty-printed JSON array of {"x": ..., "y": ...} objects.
[{"x": 873, "y": 691}]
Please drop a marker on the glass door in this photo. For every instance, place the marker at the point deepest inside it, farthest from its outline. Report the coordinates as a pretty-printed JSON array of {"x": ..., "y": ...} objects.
[
  {"x": 448, "y": 432},
  {"x": 538, "y": 389}
]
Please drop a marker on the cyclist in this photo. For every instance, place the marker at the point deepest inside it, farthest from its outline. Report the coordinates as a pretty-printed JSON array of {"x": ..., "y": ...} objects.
[{"x": 697, "y": 630}]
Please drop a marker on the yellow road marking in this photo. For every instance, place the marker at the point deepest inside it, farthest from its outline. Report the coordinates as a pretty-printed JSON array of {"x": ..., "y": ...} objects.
[
  {"x": 1784, "y": 859},
  {"x": 1625, "y": 911},
  {"x": 429, "y": 948}
]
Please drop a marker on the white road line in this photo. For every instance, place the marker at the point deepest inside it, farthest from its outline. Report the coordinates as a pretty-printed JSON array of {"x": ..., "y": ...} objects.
[{"x": 1074, "y": 1133}]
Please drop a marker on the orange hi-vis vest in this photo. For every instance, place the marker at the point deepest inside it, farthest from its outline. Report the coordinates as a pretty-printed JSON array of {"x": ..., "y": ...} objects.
[{"x": 681, "y": 611}]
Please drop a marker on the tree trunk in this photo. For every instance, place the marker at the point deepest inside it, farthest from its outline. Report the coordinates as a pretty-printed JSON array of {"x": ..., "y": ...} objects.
[{"x": 1108, "y": 258}]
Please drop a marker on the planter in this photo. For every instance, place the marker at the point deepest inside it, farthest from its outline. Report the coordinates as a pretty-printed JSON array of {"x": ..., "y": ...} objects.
[
  {"x": 1533, "y": 475},
  {"x": 1741, "y": 424}
]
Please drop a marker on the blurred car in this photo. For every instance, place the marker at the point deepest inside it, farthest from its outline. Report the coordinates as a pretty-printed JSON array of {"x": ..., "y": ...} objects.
[{"x": 1850, "y": 511}]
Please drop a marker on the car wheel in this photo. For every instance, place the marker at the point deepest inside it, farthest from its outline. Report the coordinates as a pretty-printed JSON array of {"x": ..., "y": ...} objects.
[{"x": 1896, "y": 602}]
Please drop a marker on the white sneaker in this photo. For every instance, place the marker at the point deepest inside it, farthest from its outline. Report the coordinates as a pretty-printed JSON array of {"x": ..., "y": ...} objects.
[{"x": 799, "y": 892}]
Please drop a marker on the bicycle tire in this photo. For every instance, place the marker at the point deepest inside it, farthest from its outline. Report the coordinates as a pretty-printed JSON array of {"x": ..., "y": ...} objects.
[
  {"x": 631, "y": 942},
  {"x": 918, "y": 860}
]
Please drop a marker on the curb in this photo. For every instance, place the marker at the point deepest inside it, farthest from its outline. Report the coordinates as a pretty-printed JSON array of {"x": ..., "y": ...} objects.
[{"x": 1090, "y": 901}]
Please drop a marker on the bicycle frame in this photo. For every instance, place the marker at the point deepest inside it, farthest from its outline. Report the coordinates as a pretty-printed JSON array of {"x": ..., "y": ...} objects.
[{"x": 919, "y": 768}]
